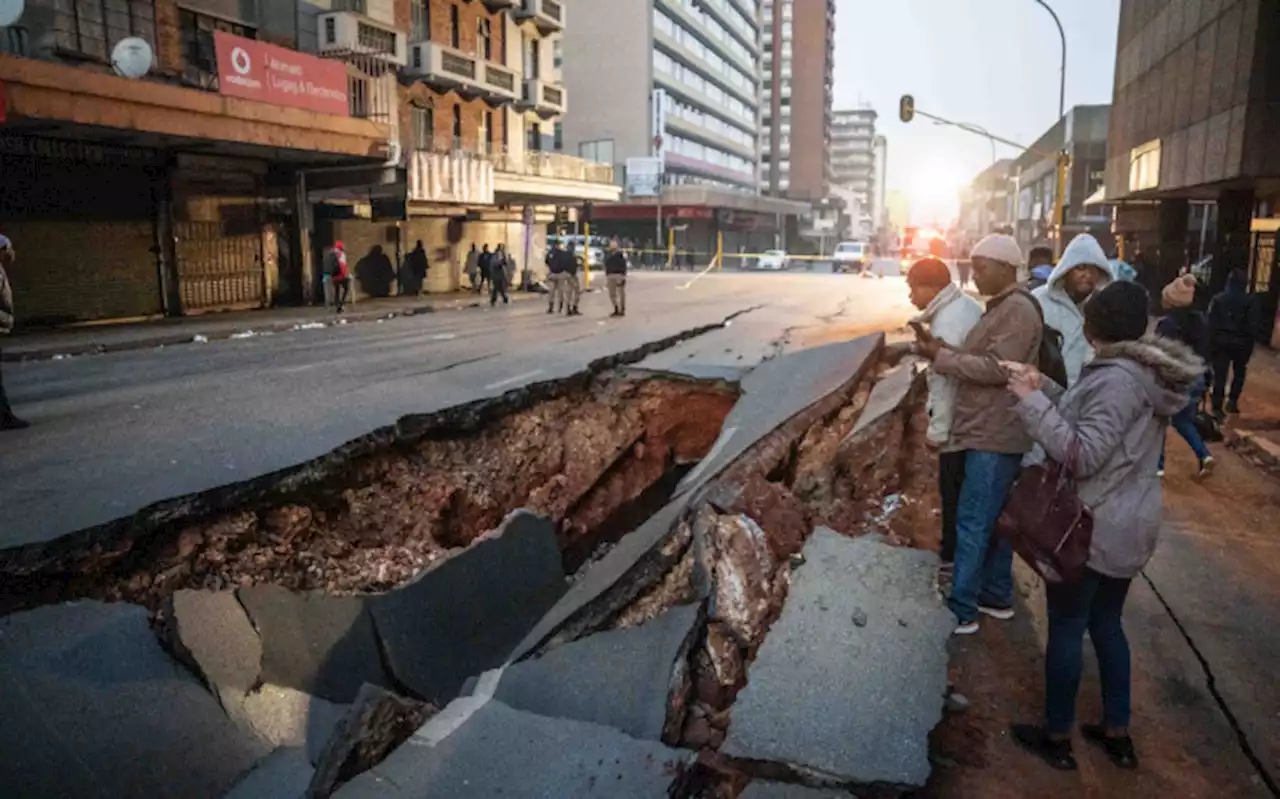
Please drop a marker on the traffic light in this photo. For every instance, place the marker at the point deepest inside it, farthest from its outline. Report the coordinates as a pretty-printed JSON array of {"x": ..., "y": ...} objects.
[
  {"x": 907, "y": 108},
  {"x": 585, "y": 215}
]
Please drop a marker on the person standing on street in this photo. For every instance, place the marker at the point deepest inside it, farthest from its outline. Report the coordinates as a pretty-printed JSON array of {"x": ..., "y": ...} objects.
[
  {"x": 1182, "y": 322},
  {"x": 1112, "y": 426},
  {"x": 471, "y": 268},
  {"x": 339, "y": 274},
  {"x": 615, "y": 277},
  {"x": 1234, "y": 320},
  {"x": 483, "y": 264},
  {"x": 1083, "y": 269},
  {"x": 985, "y": 427},
  {"x": 8, "y": 421},
  {"x": 498, "y": 277},
  {"x": 556, "y": 269},
  {"x": 950, "y": 315},
  {"x": 415, "y": 269},
  {"x": 572, "y": 288},
  {"x": 1039, "y": 265}
]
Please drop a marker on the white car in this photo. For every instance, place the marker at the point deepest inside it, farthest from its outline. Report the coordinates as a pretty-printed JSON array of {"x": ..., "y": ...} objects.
[
  {"x": 773, "y": 260},
  {"x": 851, "y": 256}
]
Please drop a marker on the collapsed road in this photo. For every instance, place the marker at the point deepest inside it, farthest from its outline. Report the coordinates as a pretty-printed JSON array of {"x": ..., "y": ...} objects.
[{"x": 596, "y": 585}]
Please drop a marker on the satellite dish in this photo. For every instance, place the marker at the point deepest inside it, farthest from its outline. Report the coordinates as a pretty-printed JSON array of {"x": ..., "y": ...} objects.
[
  {"x": 10, "y": 11},
  {"x": 131, "y": 57}
]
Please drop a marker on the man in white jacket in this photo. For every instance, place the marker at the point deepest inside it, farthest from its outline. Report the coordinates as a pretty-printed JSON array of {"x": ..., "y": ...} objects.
[
  {"x": 1083, "y": 269},
  {"x": 950, "y": 315}
]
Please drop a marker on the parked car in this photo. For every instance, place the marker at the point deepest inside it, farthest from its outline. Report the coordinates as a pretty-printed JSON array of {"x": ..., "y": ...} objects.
[
  {"x": 774, "y": 260},
  {"x": 851, "y": 256}
]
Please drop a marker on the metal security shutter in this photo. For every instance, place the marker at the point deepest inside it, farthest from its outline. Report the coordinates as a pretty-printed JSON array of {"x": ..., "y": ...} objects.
[{"x": 218, "y": 270}]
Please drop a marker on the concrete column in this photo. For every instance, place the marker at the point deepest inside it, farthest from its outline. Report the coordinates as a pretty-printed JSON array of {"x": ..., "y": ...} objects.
[
  {"x": 1231, "y": 244},
  {"x": 166, "y": 244},
  {"x": 301, "y": 236}
]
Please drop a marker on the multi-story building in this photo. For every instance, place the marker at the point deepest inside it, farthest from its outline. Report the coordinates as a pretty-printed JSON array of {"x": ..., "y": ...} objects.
[
  {"x": 1082, "y": 133},
  {"x": 853, "y": 154},
  {"x": 881, "y": 147},
  {"x": 1193, "y": 121},
  {"x": 179, "y": 156},
  {"x": 679, "y": 80},
  {"x": 799, "y": 64}
]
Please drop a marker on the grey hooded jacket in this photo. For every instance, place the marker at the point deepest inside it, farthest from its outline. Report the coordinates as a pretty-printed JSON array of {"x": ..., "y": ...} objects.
[
  {"x": 6, "y": 303},
  {"x": 1117, "y": 414}
]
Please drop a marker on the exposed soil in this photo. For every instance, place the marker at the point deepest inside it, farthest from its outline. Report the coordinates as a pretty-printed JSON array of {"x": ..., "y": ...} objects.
[{"x": 595, "y": 460}]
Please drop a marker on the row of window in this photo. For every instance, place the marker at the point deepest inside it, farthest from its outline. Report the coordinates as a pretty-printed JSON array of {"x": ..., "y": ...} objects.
[
  {"x": 423, "y": 127},
  {"x": 708, "y": 154},
  {"x": 691, "y": 77},
  {"x": 717, "y": 31},
  {"x": 719, "y": 66},
  {"x": 714, "y": 124}
]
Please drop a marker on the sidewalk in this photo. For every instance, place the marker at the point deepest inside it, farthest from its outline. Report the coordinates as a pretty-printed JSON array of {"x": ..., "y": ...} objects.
[
  {"x": 100, "y": 338},
  {"x": 1255, "y": 433}
]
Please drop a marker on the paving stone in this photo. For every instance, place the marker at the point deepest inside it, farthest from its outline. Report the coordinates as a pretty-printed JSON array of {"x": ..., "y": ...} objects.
[
  {"x": 782, "y": 790},
  {"x": 887, "y": 394},
  {"x": 466, "y": 614},
  {"x": 620, "y": 678},
  {"x": 318, "y": 644},
  {"x": 285, "y": 717},
  {"x": 92, "y": 706},
  {"x": 212, "y": 634},
  {"x": 478, "y": 749},
  {"x": 855, "y": 702},
  {"x": 376, "y": 724},
  {"x": 284, "y": 774}
]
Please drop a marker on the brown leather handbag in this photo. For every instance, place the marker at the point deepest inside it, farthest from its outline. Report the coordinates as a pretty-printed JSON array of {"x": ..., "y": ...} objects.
[{"x": 1046, "y": 522}]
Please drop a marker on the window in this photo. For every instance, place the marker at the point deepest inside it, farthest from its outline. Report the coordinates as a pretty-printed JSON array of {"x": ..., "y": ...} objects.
[
  {"x": 533, "y": 137},
  {"x": 424, "y": 128},
  {"x": 488, "y": 132},
  {"x": 532, "y": 57},
  {"x": 600, "y": 150},
  {"x": 455, "y": 27},
  {"x": 484, "y": 38},
  {"x": 199, "y": 61},
  {"x": 558, "y": 144},
  {"x": 1144, "y": 166},
  {"x": 457, "y": 124},
  {"x": 421, "y": 20},
  {"x": 92, "y": 27}
]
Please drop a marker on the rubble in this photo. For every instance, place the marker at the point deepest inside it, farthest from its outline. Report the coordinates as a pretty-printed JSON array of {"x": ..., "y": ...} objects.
[
  {"x": 375, "y": 724},
  {"x": 283, "y": 717}
]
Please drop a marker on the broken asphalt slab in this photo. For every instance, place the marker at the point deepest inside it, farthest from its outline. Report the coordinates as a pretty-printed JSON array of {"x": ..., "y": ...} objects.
[
  {"x": 782, "y": 790},
  {"x": 92, "y": 706},
  {"x": 287, "y": 718},
  {"x": 619, "y": 678},
  {"x": 850, "y": 679},
  {"x": 284, "y": 774},
  {"x": 211, "y": 633},
  {"x": 374, "y": 725},
  {"x": 887, "y": 395},
  {"x": 477, "y": 748}
]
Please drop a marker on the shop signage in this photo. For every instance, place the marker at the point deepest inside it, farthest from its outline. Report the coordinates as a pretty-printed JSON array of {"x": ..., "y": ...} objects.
[{"x": 258, "y": 71}]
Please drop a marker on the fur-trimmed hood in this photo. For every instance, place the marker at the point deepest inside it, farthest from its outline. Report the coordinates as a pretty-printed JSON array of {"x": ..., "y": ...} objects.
[{"x": 1166, "y": 369}]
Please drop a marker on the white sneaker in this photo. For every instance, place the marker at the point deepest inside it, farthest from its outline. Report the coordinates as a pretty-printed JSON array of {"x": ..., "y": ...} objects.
[
  {"x": 1003, "y": 614},
  {"x": 966, "y": 629},
  {"x": 1206, "y": 466},
  {"x": 1160, "y": 473}
]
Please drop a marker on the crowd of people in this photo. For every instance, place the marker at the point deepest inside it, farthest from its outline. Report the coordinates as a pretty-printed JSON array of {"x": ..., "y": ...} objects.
[{"x": 1062, "y": 366}]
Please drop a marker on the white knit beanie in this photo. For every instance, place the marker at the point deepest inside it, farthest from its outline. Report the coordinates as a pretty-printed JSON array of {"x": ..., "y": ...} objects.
[{"x": 999, "y": 247}]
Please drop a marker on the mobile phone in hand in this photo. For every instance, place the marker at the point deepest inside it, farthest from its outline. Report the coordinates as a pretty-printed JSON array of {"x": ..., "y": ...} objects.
[{"x": 921, "y": 332}]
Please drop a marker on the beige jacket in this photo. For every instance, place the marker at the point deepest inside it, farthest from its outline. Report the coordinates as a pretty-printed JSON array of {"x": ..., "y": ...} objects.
[
  {"x": 6, "y": 303},
  {"x": 984, "y": 416}
]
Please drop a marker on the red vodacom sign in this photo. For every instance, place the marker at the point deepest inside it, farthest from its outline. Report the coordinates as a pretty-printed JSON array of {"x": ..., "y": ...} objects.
[{"x": 260, "y": 71}]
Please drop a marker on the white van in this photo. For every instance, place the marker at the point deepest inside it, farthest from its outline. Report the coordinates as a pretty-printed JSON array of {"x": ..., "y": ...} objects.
[{"x": 851, "y": 256}]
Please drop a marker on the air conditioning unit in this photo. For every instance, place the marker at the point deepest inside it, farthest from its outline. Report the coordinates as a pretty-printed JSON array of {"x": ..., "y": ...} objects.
[{"x": 344, "y": 33}]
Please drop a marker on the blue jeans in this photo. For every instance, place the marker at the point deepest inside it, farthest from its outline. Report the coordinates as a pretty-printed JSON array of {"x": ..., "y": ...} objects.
[
  {"x": 1184, "y": 421},
  {"x": 983, "y": 567},
  {"x": 1093, "y": 604}
]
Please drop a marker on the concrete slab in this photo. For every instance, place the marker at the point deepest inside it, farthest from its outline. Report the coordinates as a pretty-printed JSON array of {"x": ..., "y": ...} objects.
[
  {"x": 782, "y": 790},
  {"x": 477, "y": 749},
  {"x": 211, "y": 633},
  {"x": 887, "y": 394},
  {"x": 315, "y": 643},
  {"x": 466, "y": 614},
  {"x": 287, "y": 718},
  {"x": 777, "y": 390},
  {"x": 639, "y": 560},
  {"x": 376, "y": 724},
  {"x": 850, "y": 679},
  {"x": 92, "y": 706},
  {"x": 284, "y": 774},
  {"x": 620, "y": 678}
]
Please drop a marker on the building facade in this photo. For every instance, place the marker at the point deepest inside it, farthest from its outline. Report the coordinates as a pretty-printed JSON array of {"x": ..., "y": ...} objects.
[
  {"x": 796, "y": 129},
  {"x": 1192, "y": 160},
  {"x": 853, "y": 155},
  {"x": 252, "y": 135},
  {"x": 683, "y": 84}
]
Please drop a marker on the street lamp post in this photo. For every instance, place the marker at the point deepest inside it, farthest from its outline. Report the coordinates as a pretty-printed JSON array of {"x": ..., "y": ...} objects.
[
  {"x": 1059, "y": 210},
  {"x": 1062, "y": 77}
]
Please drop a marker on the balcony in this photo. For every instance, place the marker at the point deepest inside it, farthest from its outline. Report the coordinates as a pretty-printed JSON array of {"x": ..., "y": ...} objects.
[
  {"x": 547, "y": 15},
  {"x": 501, "y": 5},
  {"x": 444, "y": 66},
  {"x": 446, "y": 175},
  {"x": 343, "y": 33},
  {"x": 546, "y": 99},
  {"x": 542, "y": 177},
  {"x": 500, "y": 83}
]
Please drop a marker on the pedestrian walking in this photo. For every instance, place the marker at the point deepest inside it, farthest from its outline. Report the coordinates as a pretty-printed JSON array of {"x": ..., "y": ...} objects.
[
  {"x": 1182, "y": 322},
  {"x": 985, "y": 427},
  {"x": 497, "y": 270},
  {"x": 1111, "y": 426},
  {"x": 1234, "y": 319},
  {"x": 415, "y": 269},
  {"x": 1039, "y": 265},
  {"x": 1083, "y": 269},
  {"x": 556, "y": 269},
  {"x": 950, "y": 315},
  {"x": 471, "y": 268},
  {"x": 339, "y": 274},
  {"x": 615, "y": 278},
  {"x": 8, "y": 421},
  {"x": 483, "y": 264},
  {"x": 572, "y": 288},
  {"x": 965, "y": 270}
]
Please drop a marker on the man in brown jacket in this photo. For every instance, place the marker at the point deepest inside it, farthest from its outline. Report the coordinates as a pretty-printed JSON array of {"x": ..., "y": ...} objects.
[
  {"x": 986, "y": 428},
  {"x": 7, "y": 255}
]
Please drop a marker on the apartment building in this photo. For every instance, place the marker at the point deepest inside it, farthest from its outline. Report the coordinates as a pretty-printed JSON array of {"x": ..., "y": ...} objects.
[
  {"x": 680, "y": 80},
  {"x": 799, "y": 64},
  {"x": 853, "y": 155},
  {"x": 214, "y": 176}
]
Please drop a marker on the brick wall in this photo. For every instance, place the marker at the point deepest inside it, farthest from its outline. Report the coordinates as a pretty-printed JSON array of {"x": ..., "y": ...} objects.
[{"x": 168, "y": 37}]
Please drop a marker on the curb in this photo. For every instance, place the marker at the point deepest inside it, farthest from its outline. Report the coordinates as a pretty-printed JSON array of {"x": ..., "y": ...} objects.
[{"x": 1247, "y": 445}]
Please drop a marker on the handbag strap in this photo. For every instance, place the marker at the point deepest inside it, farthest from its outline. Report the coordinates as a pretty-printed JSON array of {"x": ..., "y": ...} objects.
[{"x": 1073, "y": 456}]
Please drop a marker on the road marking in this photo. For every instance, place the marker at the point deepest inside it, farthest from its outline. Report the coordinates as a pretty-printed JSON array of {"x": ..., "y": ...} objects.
[
  {"x": 444, "y": 336},
  {"x": 515, "y": 379}
]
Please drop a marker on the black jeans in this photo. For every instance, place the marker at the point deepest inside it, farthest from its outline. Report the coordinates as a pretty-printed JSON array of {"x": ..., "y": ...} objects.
[
  {"x": 4, "y": 398},
  {"x": 1095, "y": 604},
  {"x": 1237, "y": 360},
  {"x": 497, "y": 288},
  {"x": 950, "y": 480},
  {"x": 341, "y": 291}
]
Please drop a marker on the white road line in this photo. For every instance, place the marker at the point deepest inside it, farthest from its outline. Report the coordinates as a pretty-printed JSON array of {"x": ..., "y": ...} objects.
[
  {"x": 444, "y": 336},
  {"x": 515, "y": 379}
]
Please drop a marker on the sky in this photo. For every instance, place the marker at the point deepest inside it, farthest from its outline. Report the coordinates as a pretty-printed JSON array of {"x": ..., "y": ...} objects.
[{"x": 990, "y": 63}]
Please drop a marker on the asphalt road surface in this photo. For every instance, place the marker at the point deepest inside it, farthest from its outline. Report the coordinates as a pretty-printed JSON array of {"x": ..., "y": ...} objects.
[{"x": 114, "y": 433}]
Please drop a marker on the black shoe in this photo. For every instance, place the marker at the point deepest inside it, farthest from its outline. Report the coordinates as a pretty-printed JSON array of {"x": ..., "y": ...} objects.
[
  {"x": 11, "y": 422},
  {"x": 1218, "y": 413},
  {"x": 1233, "y": 406},
  {"x": 1119, "y": 749},
  {"x": 1035, "y": 740},
  {"x": 551, "y": 310}
]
